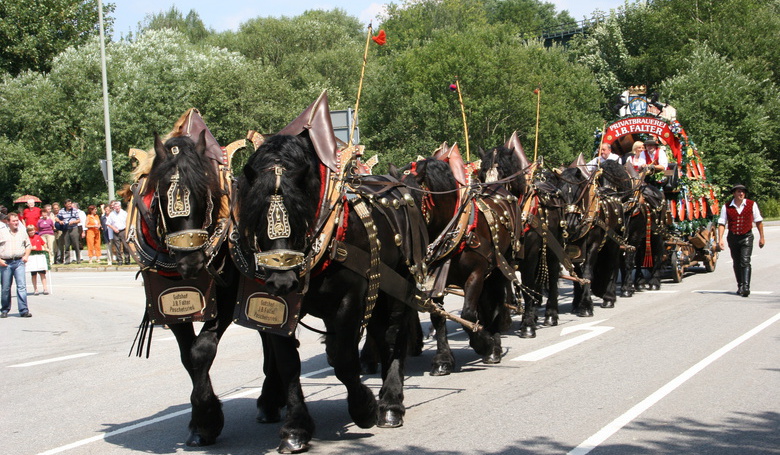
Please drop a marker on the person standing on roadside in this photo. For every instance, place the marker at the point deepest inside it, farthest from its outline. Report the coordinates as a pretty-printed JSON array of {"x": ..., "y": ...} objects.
[
  {"x": 15, "y": 248},
  {"x": 93, "y": 234},
  {"x": 58, "y": 239},
  {"x": 37, "y": 264},
  {"x": 108, "y": 234},
  {"x": 31, "y": 214},
  {"x": 69, "y": 218},
  {"x": 739, "y": 214},
  {"x": 46, "y": 230},
  {"x": 117, "y": 222}
]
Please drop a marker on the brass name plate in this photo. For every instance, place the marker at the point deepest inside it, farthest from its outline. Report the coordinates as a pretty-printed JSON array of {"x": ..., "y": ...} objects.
[
  {"x": 266, "y": 309},
  {"x": 181, "y": 301}
]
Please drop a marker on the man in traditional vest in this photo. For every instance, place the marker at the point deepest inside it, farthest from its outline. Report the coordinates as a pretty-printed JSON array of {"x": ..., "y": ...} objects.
[{"x": 739, "y": 214}]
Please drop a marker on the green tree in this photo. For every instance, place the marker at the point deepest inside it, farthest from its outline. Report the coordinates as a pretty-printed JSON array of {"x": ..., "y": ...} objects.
[
  {"x": 732, "y": 117},
  {"x": 190, "y": 25},
  {"x": 32, "y": 33}
]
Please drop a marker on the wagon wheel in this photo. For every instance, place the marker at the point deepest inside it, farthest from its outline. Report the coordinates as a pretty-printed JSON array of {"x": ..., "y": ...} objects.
[
  {"x": 677, "y": 267},
  {"x": 711, "y": 260}
]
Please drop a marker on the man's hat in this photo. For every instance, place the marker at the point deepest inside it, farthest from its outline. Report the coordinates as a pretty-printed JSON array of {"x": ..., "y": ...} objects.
[
  {"x": 739, "y": 186},
  {"x": 651, "y": 142}
]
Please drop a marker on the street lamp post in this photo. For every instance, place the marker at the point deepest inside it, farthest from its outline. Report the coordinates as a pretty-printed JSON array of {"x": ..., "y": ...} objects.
[{"x": 106, "y": 116}]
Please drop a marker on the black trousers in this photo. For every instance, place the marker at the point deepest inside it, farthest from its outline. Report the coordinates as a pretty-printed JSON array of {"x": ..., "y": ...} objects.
[
  {"x": 71, "y": 238},
  {"x": 741, "y": 248}
]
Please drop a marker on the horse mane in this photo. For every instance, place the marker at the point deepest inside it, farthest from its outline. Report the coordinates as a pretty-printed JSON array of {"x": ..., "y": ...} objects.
[
  {"x": 196, "y": 171},
  {"x": 299, "y": 186},
  {"x": 146, "y": 163},
  {"x": 616, "y": 175},
  {"x": 507, "y": 163},
  {"x": 436, "y": 174}
]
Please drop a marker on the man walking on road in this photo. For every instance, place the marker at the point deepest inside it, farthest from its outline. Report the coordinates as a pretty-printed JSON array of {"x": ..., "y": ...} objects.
[
  {"x": 740, "y": 214},
  {"x": 15, "y": 248}
]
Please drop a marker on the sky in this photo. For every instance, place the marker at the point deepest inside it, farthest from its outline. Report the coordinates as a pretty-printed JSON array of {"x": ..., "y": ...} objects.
[{"x": 224, "y": 15}]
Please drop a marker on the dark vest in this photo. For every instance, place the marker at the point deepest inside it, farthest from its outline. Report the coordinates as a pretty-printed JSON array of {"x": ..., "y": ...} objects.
[{"x": 740, "y": 223}]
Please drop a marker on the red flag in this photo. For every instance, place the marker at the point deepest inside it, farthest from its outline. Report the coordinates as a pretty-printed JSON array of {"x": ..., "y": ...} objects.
[{"x": 380, "y": 38}]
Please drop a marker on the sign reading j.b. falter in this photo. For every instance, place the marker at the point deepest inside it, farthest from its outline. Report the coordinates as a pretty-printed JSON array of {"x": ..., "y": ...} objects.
[
  {"x": 647, "y": 125},
  {"x": 181, "y": 301}
]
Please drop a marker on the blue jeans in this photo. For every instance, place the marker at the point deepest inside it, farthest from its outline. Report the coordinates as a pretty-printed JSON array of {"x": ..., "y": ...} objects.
[{"x": 14, "y": 271}]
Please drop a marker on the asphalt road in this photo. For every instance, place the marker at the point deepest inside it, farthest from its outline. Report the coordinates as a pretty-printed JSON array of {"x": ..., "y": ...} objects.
[{"x": 692, "y": 368}]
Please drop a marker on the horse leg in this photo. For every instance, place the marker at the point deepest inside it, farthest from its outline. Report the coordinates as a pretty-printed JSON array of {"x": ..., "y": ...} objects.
[
  {"x": 394, "y": 349},
  {"x": 609, "y": 255},
  {"x": 197, "y": 355},
  {"x": 369, "y": 356},
  {"x": 482, "y": 341},
  {"x": 298, "y": 426},
  {"x": 272, "y": 398},
  {"x": 528, "y": 276},
  {"x": 443, "y": 361},
  {"x": 658, "y": 249},
  {"x": 627, "y": 271},
  {"x": 585, "y": 307},
  {"x": 493, "y": 311},
  {"x": 551, "y": 309}
]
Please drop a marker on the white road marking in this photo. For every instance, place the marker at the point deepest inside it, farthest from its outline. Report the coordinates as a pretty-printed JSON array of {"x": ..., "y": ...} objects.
[
  {"x": 613, "y": 427},
  {"x": 55, "y": 359},
  {"x": 162, "y": 418},
  {"x": 730, "y": 291},
  {"x": 558, "y": 347}
]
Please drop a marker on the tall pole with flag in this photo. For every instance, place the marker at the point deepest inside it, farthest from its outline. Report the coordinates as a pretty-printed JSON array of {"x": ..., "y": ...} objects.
[
  {"x": 380, "y": 39},
  {"x": 106, "y": 116},
  {"x": 538, "y": 92},
  {"x": 456, "y": 87}
]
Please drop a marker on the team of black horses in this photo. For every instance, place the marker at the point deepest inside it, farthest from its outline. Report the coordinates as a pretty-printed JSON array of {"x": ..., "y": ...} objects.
[{"x": 312, "y": 229}]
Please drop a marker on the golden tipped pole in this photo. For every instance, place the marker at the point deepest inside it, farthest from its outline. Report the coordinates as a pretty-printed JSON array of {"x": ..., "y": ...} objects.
[
  {"x": 538, "y": 92},
  {"x": 463, "y": 113},
  {"x": 360, "y": 85}
]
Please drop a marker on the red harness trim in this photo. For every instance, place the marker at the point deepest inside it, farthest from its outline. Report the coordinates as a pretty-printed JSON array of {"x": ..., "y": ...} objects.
[
  {"x": 472, "y": 227},
  {"x": 533, "y": 211},
  {"x": 341, "y": 234},
  {"x": 148, "y": 238}
]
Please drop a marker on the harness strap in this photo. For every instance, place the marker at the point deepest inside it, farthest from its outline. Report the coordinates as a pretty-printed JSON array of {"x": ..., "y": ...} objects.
[{"x": 373, "y": 272}]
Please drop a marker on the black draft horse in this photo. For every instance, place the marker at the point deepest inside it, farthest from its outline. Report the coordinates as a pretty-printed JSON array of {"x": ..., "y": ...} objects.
[
  {"x": 182, "y": 169},
  {"x": 473, "y": 263},
  {"x": 594, "y": 224},
  {"x": 645, "y": 222},
  {"x": 288, "y": 169},
  {"x": 541, "y": 213}
]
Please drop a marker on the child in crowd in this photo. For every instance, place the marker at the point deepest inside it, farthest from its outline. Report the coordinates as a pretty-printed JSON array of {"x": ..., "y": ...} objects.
[{"x": 37, "y": 263}]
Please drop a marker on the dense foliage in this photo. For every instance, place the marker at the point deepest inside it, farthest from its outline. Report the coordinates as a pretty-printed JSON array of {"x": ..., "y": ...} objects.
[{"x": 716, "y": 61}]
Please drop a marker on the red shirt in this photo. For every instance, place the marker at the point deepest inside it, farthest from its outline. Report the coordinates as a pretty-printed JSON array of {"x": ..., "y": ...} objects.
[
  {"x": 31, "y": 216},
  {"x": 37, "y": 242}
]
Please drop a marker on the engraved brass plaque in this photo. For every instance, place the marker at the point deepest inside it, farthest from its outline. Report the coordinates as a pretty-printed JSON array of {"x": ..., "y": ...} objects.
[
  {"x": 266, "y": 309},
  {"x": 181, "y": 301}
]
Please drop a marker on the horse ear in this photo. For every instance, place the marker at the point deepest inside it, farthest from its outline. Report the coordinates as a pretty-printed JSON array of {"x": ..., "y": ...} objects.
[
  {"x": 159, "y": 148},
  {"x": 249, "y": 173},
  {"x": 200, "y": 147},
  {"x": 481, "y": 153},
  {"x": 393, "y": 171}
]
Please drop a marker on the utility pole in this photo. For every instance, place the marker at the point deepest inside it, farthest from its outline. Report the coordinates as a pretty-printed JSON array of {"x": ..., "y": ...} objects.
[{"x": 107, "y": 118}]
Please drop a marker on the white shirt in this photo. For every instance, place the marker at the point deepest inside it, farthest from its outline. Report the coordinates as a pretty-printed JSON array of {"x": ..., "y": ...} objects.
[
  {"x": 595, "y": 162},
  {"x": 757, "y": 218},
  {"x": 117, "y": 219},
  {"x": 641, "y": 159}
]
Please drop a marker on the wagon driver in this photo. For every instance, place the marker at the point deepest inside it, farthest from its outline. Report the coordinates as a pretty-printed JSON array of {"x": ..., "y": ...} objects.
[{"x": 739, "y": 214}]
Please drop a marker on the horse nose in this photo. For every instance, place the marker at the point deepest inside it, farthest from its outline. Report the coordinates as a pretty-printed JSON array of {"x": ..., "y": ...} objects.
[
  {"x": 189, "y": 266},
  {"x": 282, "y": 283}
]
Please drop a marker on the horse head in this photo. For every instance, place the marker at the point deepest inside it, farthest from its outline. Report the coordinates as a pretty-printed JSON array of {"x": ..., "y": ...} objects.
[
  {"x": 435, "y": 180},
  {"x": 500, "y": 163},
  {"x": 186, "y": 184},
  {"x": 572, "y": 185},
  {"x": 278, "y": 202}
]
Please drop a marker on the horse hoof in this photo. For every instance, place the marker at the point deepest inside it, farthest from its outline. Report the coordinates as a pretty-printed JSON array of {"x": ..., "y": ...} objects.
[
  {"x": 527, "y": 332},
  {"x": 550, "y": 321},
  {"x": 293, "y": 444},
  {"x": 626, "y": 294},
  {"x": 268, "y": 415},
  {"x": 607, "y": 304},
  {"x": 441, "y": 370},
  {"x": 196, "y": 440},
  {"x": 585, "y": 313},
  {"x": 390, "y": 419},
  {"x": 493, "y": 358}
]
